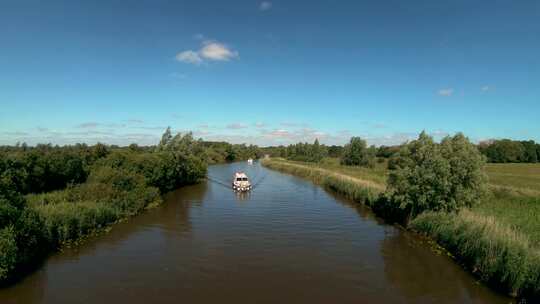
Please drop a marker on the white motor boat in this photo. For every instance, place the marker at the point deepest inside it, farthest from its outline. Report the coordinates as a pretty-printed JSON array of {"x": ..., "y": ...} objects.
[{"x": 241, "y": 182}]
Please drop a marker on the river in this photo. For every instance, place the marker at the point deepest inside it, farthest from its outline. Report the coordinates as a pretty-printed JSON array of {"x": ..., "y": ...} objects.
[{"x": 288, "y": 241}]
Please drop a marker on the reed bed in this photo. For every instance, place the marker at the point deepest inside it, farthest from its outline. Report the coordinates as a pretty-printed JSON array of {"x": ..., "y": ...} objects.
[{"x": 492, "y": 250}]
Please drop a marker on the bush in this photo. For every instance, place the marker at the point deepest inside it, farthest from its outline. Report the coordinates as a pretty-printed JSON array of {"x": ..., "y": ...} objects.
[
  {"x": 356, "y": 153},
  {"x": 32, "y": 241},
  {"x": 8, "y": 251},
  {"x": 436, "y": 177}
]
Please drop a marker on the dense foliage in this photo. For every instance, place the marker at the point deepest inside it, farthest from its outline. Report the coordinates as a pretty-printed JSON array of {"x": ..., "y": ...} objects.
[
  {"x": 436, "y": 177},
  {"x": 45, "y": 168},
  {"x": 356, "y": 153},
  {"x": 220, "y": 152},
  {"x": 510, "y": 151},
  {"x": 306, "y": 152},
  {"x": 100, "y": 185}
]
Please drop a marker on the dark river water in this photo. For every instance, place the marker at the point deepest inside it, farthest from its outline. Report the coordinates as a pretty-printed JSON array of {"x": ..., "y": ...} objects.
[{"x": 288, "y": 241}]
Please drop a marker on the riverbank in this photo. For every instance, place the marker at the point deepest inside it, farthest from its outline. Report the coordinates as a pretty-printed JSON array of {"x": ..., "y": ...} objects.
[
  {"x": 498, "y": 240},
  {"x": 52, "y": 198}
]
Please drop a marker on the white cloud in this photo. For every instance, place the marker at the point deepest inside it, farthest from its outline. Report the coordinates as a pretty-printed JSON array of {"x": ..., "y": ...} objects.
[
  {"x": 485, "y": 88},
  {"x": 260, "y": 125},
  {"x": 217, "y": 51},
  {"x": 210, "y": 51},
  {"x": 446, "y": 92},
  {"x": 189, "y": 57},
  {"x": 265, "y": 5}
]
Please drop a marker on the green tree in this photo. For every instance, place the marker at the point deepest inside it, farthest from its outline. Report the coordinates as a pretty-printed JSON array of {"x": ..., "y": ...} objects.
[
  {"x": 165, "y": 139},
  {"x": 529, "y": 152},
  {"x": 230, "y": 153},
  {"x": 437, "y": 177},
  {"x": 318, "y": 152},
  {"x": 356, "y": 153},
  {"x": 335, "y": 151}
]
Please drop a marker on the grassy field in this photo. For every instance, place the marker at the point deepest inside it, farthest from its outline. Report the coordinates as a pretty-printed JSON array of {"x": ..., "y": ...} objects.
[
  {"x": 377, "y": 175},
  {"x": 498, "y": 239},
  {"x": 522, "y": 177}
]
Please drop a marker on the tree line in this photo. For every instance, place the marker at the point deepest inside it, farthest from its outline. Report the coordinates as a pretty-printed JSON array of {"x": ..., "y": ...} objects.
[
  {"x": 510, "y": 151},
  {"x": 357, "y": 153}
]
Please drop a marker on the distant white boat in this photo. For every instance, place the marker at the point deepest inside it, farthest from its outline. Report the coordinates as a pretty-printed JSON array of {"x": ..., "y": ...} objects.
[{"x": 250, "y": 161}]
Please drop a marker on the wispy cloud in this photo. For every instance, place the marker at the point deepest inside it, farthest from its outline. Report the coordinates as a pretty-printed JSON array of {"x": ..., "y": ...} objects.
[
  {"x": 260, "y": 125},
  {"x": 15, "y": 133},
  {"x": 115, "y": 125},
  {"x": 235, "y": 126},
  {"x": 88, "y": 125},
  {"x": 210, "y": 51},
  {"x": 390, "y": 139},
  {"x": 294, "y": 124},
  {"x": 446, "y": 92},
  {"x": 485, "y": 88},
  {"x": 199, "y": 36},
  {"x": 282, "y": 133},
  {"x": 439, "y": 133},
  {"x": 189, "y": 56},
  {"x": 135, "y": 121},
  {"x": 199, "y": 133},
  {"x": 162, "y": 128},
  {"x": 265, "y": 5}
]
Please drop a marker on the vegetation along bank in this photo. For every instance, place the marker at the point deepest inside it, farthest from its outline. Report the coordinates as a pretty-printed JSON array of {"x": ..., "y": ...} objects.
[
  {"x": 486, "y": 215},
  {"x": 54, "y": 196}
]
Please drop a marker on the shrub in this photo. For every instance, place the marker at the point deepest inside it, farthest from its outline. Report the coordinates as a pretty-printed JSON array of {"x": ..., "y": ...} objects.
[
  {"x": 8, "y": 251},
  {"x": 436, "y": 177},
  {"x": 32, "y": 241}
]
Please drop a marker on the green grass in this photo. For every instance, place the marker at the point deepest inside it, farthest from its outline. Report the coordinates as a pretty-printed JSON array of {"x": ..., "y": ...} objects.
[
  {"x": 377, "y": 174},
  {"x": 521, "y": 213},
  {"x": 488, "y": 247},
  {"x": 524, "y": 177},
  {"x": 498, "y": 239}
]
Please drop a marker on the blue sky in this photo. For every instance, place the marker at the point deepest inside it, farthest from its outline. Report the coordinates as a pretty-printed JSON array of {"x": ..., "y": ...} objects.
[{"x": 268, "y": 73}]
